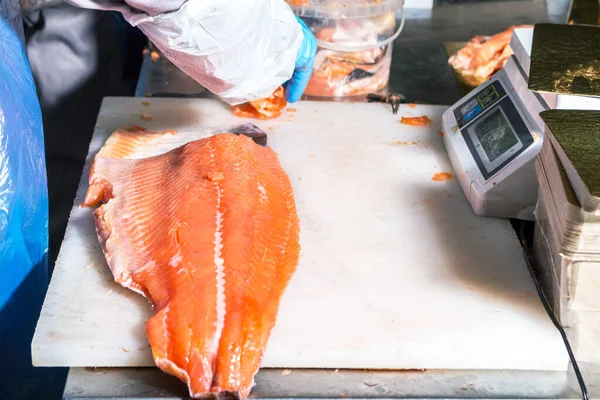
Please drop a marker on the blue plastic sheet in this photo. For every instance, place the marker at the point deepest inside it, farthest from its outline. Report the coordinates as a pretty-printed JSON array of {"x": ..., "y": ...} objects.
[{"x": 23, "y": 186}]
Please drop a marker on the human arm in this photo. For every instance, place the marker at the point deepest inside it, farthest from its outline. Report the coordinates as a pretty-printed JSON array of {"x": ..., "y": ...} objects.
[{"x": 240, "y": 50}]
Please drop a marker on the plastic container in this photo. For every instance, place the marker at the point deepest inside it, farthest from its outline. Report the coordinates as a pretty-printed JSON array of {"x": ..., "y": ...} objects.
[{"x": 355, "y": 44}]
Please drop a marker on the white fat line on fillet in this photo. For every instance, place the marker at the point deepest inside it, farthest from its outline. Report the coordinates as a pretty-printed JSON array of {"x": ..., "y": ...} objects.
[
  {"x": 176, "y": 259},
  {"x": 263, "y": 193},
  {"x": 166, "y": 329},
  {"x": 219, "y": 264},
  {"x": 126, "y": 278}
]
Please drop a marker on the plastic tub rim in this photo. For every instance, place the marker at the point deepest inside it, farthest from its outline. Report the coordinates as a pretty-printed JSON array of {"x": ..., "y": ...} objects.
[
  {"x": 358, "y": 10},
  {"x": 354, "y": 48}
]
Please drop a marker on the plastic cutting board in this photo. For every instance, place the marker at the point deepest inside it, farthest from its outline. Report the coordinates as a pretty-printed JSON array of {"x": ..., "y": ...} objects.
[{"x": 396, "y": 270}]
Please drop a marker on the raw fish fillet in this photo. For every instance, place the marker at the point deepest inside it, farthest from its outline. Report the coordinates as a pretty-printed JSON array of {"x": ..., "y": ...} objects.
[{"x": 208, "y": 232}]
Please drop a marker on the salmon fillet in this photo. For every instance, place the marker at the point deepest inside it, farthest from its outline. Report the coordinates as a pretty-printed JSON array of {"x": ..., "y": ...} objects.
[{"x": 209, "y": 233}]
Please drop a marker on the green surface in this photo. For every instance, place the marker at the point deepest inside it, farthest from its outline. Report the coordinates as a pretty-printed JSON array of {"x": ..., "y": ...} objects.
[
  {"x": 565, "y": 59},
  {"x": 578, "y": 133}
]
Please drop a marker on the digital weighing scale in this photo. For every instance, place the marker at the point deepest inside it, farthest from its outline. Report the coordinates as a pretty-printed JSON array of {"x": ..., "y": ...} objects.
[{"x": 494, "y": 134}]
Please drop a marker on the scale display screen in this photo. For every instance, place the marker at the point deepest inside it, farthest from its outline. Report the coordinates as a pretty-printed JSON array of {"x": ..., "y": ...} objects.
[{"x": 495, "y": 134}]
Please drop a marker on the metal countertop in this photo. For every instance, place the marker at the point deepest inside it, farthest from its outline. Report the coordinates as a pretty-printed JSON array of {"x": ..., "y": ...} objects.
[
  {"x": 421, "y": 73},
  {"x": 150, "y": 383}
]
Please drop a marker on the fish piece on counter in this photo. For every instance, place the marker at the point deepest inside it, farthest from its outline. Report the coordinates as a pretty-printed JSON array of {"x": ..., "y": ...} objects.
[
  {"x": 483, "y": 56},
  {"x": 264, "y": 108},
  {"x": 416, "y": 121},
  {"x": 208, "y": 232},
  {"x": 442, "y": 176}
]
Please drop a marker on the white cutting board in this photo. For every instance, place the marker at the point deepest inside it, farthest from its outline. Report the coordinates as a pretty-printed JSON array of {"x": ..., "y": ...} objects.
[{"x": 396, "y": 271}]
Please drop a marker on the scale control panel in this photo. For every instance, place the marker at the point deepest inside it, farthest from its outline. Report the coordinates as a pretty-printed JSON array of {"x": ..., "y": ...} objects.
[
  {"x": 493, "y": 129},
  {"x": 472, "y": 108}
]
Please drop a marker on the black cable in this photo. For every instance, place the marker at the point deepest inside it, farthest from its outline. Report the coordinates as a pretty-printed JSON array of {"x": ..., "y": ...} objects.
[{"x": 557, "y": 324}]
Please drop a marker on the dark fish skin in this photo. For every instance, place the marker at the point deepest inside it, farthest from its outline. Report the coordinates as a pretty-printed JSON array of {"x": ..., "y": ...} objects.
[
  {"x": 252, "y": 131},
  {"x": 358, "y": 74}
]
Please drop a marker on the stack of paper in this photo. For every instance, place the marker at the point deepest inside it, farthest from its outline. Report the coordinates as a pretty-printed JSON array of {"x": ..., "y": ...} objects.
[{"x": 567, "y": 237}]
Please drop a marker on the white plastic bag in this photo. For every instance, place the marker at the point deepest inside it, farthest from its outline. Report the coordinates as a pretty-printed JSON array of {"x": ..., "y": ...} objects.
[{"x": 241, "y": 50}]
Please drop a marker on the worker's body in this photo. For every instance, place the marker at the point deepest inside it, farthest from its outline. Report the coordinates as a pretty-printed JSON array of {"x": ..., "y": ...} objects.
[{"x": 258, "y": 46}]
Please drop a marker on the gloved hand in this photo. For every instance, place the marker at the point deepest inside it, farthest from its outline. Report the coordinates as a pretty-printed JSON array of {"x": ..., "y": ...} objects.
[{"x": 294, "y": 88}]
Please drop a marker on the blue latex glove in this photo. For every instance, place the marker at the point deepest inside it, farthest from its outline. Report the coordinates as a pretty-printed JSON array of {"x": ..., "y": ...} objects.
[{"x": 294, "y": 88}]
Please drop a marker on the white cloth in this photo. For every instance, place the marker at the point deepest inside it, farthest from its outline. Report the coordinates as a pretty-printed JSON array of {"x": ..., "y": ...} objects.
[{"x": 241, "y": 50}]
